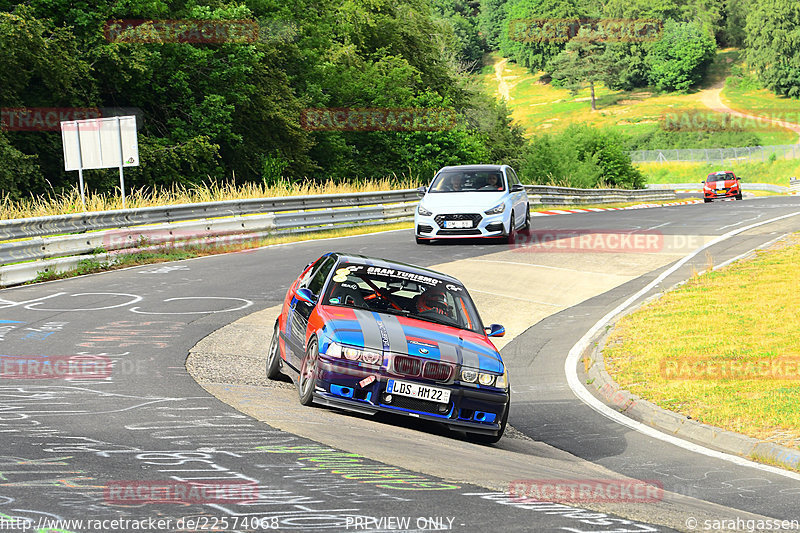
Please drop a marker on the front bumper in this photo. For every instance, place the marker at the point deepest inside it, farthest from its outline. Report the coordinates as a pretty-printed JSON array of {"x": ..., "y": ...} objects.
[
  {"x": 723, "y": 193},
  {"x": 338, "y": 386},
  {"x": 432, "y": 227}
]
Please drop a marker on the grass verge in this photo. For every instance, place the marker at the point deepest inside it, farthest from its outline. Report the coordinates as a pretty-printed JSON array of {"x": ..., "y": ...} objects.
[
  {"x": 746, "y": 312},
  {"x": 775, "y": 172},
  {"x": 606, "y": 206},
  {"x": 163, "y": 254}
]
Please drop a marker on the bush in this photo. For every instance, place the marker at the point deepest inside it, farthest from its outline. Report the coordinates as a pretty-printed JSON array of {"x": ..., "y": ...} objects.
[
  {"x": 580, "y": 156},
  {"x": 680, "y": 58}
]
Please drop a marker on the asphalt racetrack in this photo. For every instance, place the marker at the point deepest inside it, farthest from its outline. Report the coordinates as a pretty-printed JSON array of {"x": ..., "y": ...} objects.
[{"x": 85, "y": 453}]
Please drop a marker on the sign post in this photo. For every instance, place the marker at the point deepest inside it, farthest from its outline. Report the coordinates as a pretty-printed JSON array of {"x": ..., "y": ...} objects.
[{"x": 100, "y": 143}]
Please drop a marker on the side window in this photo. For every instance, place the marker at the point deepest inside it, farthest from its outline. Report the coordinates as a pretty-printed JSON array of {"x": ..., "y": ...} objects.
[
  {"x": 321, "y": 274},
  {"x": 512, "y": 177}
]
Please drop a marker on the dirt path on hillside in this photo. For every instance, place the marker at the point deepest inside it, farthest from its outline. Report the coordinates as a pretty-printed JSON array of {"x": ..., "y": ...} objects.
[
  {"x": 503, "y": 87},
  {"x": 712, "y": 98}
]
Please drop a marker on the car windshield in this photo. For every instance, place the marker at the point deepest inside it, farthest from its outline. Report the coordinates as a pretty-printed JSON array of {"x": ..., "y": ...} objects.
[
  {"x": 468, "y": 181},
  {"x": 397, "y": 291},
  {"x": 720, "y": 176}
]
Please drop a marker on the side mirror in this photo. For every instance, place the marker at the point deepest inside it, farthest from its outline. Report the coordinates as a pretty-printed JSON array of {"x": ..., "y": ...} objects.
[
  {"x": 495, "y": 330},
  {"x": 421, "y": 191},
  {"x": 517, "y": 187},
  {"x": 305, "y": 296}
]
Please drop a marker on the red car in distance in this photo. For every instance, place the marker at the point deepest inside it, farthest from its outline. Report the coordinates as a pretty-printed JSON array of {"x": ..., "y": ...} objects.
[{"x": 722, "y": 184}]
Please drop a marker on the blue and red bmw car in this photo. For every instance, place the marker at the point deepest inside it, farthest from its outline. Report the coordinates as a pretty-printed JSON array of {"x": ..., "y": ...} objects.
[{"x": 371, "y": 335}]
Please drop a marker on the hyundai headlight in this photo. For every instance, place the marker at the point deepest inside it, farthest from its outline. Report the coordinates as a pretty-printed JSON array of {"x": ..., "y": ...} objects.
[
  {"x": 422, "y": 211},
  {"x": 496, "y": 210}
]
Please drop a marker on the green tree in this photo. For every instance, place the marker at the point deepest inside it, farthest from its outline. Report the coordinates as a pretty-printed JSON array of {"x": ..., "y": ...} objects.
[
  {"x": 680, "y": 58},
  {"x": 491, "y": 19},
  {"x": 536, "y": 31},
  {"x": 733, "y": 32},
  {"x": 19, "y": 173},
  {"x": 584, "y": 61},
  {"x": 773, "y": 44}
]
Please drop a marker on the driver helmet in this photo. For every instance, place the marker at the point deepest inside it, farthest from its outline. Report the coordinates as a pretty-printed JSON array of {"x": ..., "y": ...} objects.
[{"x": 433, "y": 300}]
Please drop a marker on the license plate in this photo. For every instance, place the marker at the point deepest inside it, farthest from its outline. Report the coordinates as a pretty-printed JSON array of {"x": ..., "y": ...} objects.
[
  {"x": 415, "y": 390},
  {"x": 721, "y": 190},
  {"x": 453, "y": 224}
]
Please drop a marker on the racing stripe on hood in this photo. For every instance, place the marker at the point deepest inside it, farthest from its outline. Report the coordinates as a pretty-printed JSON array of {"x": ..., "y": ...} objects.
[
  {"x": 397, "y": 337},
  {"x": 448, "y": 352},
  {"x": 470, "y": 358},
  {"x": 467, "y": 353},
  {"x": 370, "y": 329}
]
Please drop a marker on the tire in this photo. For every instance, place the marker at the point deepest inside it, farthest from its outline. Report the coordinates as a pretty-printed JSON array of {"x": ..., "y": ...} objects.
[
  {"x": 480, "y": 438},
  {"x": 739, "y": 196},
  {"x": 707, "y": 200},
  {"x": 512, "y": 231},
  {"x": 527, "y": 225},
  {"x": 307, "y": 380},
  {"x": 274, "y": 354}
]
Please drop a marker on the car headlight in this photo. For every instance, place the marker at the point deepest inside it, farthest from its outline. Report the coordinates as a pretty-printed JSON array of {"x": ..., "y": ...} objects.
[
  {"x": 487, "y": 380},
  {"x": 502, "y": 381},
  {"x": 470, "y": 376},
  {"x": 496, "y": 210},
  {"x": 422, "y": 211},
  {"x": 353, "y": 354}
]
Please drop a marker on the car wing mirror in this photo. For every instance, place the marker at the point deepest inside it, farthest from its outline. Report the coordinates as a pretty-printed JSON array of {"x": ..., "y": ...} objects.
[
  {"x": 305, "y": 296},
  {"x": 421, "y": 191},
  {"x": 495, "y": 330},
  {"x": 517, "y": 187}
]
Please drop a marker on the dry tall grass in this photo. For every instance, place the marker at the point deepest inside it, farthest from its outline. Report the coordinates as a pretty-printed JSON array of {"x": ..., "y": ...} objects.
[{"x": 70, "y": 200}]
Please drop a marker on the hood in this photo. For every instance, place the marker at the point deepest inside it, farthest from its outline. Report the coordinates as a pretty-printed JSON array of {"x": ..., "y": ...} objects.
[
  {"x": 403, "y": 335},
  {"x": 460, "y": 201},
  {"x": 721, "y": 183}
]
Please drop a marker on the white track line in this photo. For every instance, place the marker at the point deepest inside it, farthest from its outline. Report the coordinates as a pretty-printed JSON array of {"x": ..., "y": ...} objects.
[{"x": 571, "y": 363}]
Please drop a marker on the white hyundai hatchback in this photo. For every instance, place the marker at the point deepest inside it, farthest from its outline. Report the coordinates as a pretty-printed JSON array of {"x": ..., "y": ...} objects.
[{"x": 472, "y": 201}]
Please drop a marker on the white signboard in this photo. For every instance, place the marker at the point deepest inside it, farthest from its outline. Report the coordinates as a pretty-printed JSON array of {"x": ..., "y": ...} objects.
[{"x": 100, "y": 143}]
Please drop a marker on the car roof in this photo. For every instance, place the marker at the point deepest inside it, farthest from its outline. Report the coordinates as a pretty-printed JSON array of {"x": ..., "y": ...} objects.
[
  {"x": 385, "y": 263},
  {"x": 474, "y": 167},
  {"x": 721, "y": 172}
]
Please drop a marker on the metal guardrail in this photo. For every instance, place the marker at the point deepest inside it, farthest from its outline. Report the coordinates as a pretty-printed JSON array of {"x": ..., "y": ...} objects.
[
  {"x": 547, "y": 195},
  {"x": 52, "y": 225},
  {"x": 105, "y": 233},
  {"x": 698, "y": 186}
]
